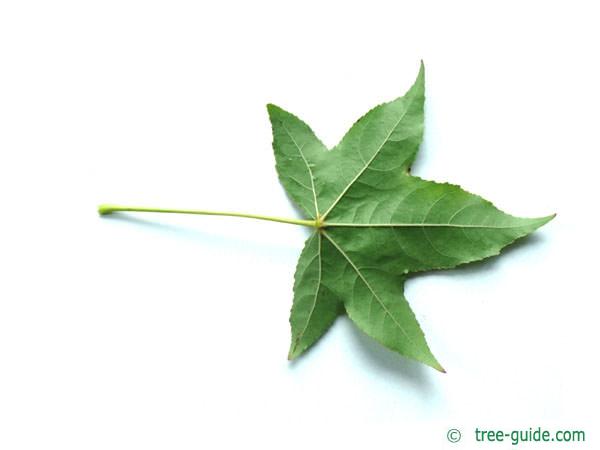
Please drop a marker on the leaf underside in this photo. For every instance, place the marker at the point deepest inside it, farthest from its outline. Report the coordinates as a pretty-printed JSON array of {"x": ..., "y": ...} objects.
[{"x": 379, "y": 224}]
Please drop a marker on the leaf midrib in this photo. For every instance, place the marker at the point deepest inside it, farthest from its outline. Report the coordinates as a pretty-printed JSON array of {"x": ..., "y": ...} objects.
[
  {"x": 314, "y": 304},
  {"x": 312, "y": 178},
  {"x": 416, "y": 225}
]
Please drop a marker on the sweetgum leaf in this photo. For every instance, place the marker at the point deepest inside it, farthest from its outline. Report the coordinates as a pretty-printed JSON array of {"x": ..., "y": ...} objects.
[{"x": 377, "y": 224}]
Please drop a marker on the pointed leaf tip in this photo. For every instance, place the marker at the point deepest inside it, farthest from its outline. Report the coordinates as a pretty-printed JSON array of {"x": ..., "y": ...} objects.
[
  {"x": 432, "y": 362},
  {"x": 421, "y": 74},
  {"x": 293, "y": 353},
  {"x": 541, "y": 221},
  {"x": 271, "y": 108},
  {"x": 548, "y": 218}
]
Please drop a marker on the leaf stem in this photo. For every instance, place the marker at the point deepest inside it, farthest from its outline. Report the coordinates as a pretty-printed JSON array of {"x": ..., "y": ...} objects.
[{"x": 106, "y": 209}]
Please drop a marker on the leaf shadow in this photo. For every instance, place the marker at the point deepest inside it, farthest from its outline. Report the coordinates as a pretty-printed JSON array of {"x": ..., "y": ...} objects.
[
  {"x": 389, "y": 365},
  {"x": 385, "y": 364},
  {"x": 278, "y": 253},
  {"x": 490, "y": 264}
]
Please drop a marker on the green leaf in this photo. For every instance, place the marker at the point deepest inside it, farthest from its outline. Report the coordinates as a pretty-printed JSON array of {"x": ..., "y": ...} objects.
[
  {"x": 297, "y": 148},
  {"x": 376, "y": 224},
  {"x": 315, "y": 305}
]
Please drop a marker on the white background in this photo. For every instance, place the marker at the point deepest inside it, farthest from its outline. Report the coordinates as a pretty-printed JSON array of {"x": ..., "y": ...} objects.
[{"x": 163, "y": 332}]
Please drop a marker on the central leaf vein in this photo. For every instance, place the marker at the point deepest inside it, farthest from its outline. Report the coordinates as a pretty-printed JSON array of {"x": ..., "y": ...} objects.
[{"x": 312, "y": 178}]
